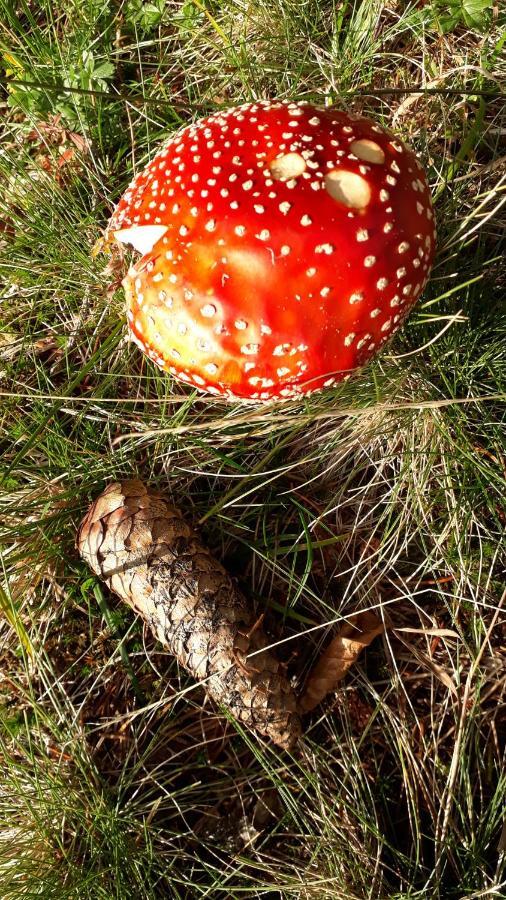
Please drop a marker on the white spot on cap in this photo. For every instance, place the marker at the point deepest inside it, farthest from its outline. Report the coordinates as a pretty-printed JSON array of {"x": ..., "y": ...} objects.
[
  {"x": 369, "y": 261},
  {"x": 374, "y": 313},
  {"x": 306, "y": 220},
  {"x": 348, "y": 188},
  {"x": 285, "y": 250},
  {"x": 328, "y": 249},
  {"x": 362, "y": 234},
  {"x": 348, "y": 341},
  {"x": 240, "y": 230},
  {"x": 285, "y": 207},
  {"x": 403, "y": 246},
  {"x": 290, "y": 165},
  {"x": 208, "y": 310},
  {"x": 386, "y": 325},
  {"x": 367, "y": 150},
  {"x": 356, "y": 297},
  {"x": 240, "y": 324},
  {"x": 142, "y": 237},
  {"x": 250, "y": 349},
  {"x": 382, "y": 283},
  {"x": 210, "y": 225}
]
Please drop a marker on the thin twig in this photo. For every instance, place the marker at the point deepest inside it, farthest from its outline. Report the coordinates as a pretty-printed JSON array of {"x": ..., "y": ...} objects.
[{"x": 174, "y": 104}]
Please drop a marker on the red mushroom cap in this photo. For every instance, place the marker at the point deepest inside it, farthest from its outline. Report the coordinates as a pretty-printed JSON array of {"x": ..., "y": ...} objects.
[{"x": 282, "y": 246}]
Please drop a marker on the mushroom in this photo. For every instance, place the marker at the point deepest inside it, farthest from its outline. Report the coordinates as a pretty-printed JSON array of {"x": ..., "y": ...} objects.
[{"x": 282, "y": 245}]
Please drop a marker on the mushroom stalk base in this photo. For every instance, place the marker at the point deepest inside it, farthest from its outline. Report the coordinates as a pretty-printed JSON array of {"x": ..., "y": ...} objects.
[{"x": 146, "y": 553}]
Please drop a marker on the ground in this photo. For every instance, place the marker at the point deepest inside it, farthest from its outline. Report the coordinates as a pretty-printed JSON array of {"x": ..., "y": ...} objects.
[{"x": 118, "y": 778}]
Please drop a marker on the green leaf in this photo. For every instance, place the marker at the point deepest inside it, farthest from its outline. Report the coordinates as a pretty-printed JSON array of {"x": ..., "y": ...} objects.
[
  {"x": 476, "y": 13},
  {"x": 104, "y": 70},
  {"x": 11, "y": 614},
  {"x": 145, "y": 15},
  {"x": 471, "y": 13}
]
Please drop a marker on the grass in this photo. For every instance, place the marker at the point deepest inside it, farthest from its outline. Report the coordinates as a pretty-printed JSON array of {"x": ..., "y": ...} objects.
[{"x": 117, "y": 779}]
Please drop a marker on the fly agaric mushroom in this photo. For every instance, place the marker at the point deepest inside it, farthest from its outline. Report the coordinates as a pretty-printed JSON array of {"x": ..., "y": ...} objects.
[{"x": 282, "y": 245}]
